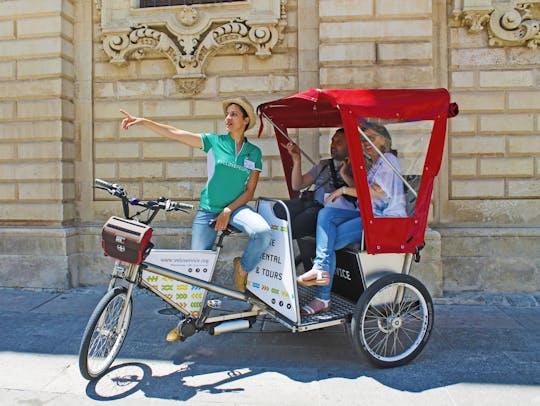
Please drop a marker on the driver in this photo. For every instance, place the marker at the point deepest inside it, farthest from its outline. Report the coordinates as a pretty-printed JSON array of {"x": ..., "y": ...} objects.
[{"x": 234, "y": 165}]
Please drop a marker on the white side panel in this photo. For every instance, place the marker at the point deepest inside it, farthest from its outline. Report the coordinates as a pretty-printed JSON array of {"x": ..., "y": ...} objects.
[
  {"x": 273, "y": 280},
  {"x": 197, "y": 264}
]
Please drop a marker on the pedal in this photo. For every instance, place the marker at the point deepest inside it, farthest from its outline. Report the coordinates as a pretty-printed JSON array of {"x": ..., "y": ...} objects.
[{"x": 214, "y": 303}]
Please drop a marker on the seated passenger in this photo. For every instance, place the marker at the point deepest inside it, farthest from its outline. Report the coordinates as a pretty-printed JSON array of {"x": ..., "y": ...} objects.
[
  {"x": 337, "y": 228},
  {"x": 326, "y": 176}
]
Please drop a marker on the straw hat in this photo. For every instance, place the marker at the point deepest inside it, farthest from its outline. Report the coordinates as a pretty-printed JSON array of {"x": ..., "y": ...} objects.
[{"x": 244, "y": 104}]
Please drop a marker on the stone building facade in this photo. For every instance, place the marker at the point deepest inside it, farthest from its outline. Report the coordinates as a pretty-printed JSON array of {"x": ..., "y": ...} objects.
[{"x": 67, "y": 67}]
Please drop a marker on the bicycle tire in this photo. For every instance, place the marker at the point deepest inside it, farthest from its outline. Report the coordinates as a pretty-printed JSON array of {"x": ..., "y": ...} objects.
[
  {"x": 103, "y": 337},
  {"x": 390, "y": 333}
]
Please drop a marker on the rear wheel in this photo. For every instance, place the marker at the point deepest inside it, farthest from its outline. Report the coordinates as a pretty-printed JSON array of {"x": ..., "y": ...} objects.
[
  {"x": 105, "y": 333},
  {"x": 392, "y": 321}
]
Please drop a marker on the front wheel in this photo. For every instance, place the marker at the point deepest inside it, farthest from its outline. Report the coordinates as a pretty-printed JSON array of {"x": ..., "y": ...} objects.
[
  {"x": 392, "y": 321},
  {"x": 105, "y": 333}
]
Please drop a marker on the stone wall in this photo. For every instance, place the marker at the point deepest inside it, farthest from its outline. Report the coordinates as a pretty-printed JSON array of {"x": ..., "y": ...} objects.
[{"x": 63, "y": 86}]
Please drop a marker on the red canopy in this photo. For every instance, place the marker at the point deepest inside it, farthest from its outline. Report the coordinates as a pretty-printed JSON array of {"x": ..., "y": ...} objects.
[{"x": 317, "y": 108}]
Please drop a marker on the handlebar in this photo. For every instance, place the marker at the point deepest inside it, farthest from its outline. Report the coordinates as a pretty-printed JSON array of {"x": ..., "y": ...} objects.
[{"x": 161, "y": 203}]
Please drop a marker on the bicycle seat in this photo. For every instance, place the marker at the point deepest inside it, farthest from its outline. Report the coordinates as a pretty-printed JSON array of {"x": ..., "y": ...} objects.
[{"x": 230, "y": 229}]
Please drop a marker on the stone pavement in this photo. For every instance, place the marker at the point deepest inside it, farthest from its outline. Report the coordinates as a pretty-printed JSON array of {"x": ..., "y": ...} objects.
[{"x": 484, "y": 350}]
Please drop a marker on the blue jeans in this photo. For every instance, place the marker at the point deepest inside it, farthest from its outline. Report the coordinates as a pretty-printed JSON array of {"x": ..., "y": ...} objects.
[
  {"x": 336, "y": 228},
  {"x": 245, "y": 219}
]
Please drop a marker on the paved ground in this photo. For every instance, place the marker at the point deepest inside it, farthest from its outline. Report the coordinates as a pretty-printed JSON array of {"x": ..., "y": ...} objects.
[{"x": 484, "y": 350}]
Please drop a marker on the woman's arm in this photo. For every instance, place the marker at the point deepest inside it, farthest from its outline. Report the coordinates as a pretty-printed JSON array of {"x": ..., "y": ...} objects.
[
  {"x": 223, "y": 218},
  {"x": 185, "y": 137},
  {"x": 345, "y": 190}
]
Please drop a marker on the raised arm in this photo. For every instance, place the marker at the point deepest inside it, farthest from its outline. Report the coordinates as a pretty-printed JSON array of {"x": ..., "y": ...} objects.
[
  {"x": 298, "y": 181},
  {"x": 185, "y": 137}
]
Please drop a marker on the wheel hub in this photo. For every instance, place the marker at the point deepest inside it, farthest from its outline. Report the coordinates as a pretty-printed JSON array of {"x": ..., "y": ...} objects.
[{"x": 390, "y": 323}]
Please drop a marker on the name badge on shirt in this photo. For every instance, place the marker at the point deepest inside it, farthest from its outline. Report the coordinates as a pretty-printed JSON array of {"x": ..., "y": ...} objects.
[{"x": 249, "y": 164}]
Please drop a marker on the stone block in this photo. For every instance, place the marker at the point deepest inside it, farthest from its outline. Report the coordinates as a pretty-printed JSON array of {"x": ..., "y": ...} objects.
[
  {"x": 32, "y": 170},
  {"x": 376, "y": 29},
  {"x": 257, "y": 84},
  {"x": 7, "y": 110},
  {"x": 478, "y": 145},
  {"x": 463, "y": 124},
  {"x": 36, "y": 47},
  {"x": 7, "y": 30},
  {"x": 402, "y": 7},
  {"x": 33, "y": 271},
  {"x": 477, "y": 57},
  {"x": 41, "y": 191},
  {"x": 15, "y": 8},
  {"x": 477, "y": 188},
  {"x": 165, "y": 149},
  {"x": 268, "y": 146},
  {"x": 507, "y": 78},
  {"x": 186, "y": 170},
  {"x": 337, "y": 54},
  {"x": 463, "y": 167},
  {"x": 105, "y": 170},
  {"x": 44, "y": 26},
  {"x": 524, "y": 188},
  {"x": 107, "y": 130},
  {"x": 104, "y": 90},
  {"x": 8, "y": 70},
  {"x": 197, "y": 126},
  {"x": 8, "y": 191},
  {"x": 34, "y": 88},
  {"x": 276, "y": 170},
  {"x": 158, "y": 68},
  {"x": 50, "y": 109},
  {"x": 40, "y": 151},
  {"x": 479, "y": 101},
  {"x": 524, "y": 145},
  {"x": 110, "y": 110},
  {"x": 461, "y": 38},
  {"x": 506, "y": 123},
  {"x": 166, "y": 108},
  {"x": 141, "y": 170},
  {"x": 208, "y": 108},
  {"x": 45, "y": 67},
  {"x": 399, "y": 52},
  {"x": 464, "y": 79},
  {"x": 171, "y": 190},
  {"x": 140, "y": 88},
  {"x": 404, "y": 76},
  {"x": 105, "y": 71},
  {"x": 117, "y": 150},
  {"x": 507, "y": 166},
  {"x": 524, "y": 100},
  {"x": 278, "y": 63},
  {"x": 347, "y": 77},
  {"x": 345, "y": 8}
]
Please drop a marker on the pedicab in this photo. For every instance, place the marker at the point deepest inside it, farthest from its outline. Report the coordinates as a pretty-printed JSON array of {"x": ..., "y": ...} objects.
[{"x": 387, "y": 313}]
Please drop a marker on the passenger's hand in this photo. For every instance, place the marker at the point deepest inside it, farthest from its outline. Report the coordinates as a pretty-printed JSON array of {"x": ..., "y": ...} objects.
[
  {"x": 345, "y": 167},
  {"x": 129, "y": 120},
  {"x": 334, "y": 195},
  {"x": 222, "y": 220},
  {"x": 292, "y": 149}
]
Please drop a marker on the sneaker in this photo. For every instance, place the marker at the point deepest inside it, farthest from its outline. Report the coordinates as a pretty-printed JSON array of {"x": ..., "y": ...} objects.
[
  {"x": 240, "y": 276},
  {"x": 173, "y": 335}
]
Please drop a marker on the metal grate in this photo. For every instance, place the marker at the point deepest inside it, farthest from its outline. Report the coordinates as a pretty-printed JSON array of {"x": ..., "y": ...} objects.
[
  {"x": 165, "y": 3},
  {"x": 341, "y": 308}
]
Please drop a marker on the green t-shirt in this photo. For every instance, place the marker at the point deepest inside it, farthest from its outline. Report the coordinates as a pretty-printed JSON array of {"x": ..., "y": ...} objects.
[{"x": 227, "y": 172}]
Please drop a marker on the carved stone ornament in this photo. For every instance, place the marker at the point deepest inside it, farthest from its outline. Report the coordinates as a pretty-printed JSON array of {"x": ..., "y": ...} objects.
[
  {"x": 514, "y": 24},
  {"x": 188, "y": 36}
]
